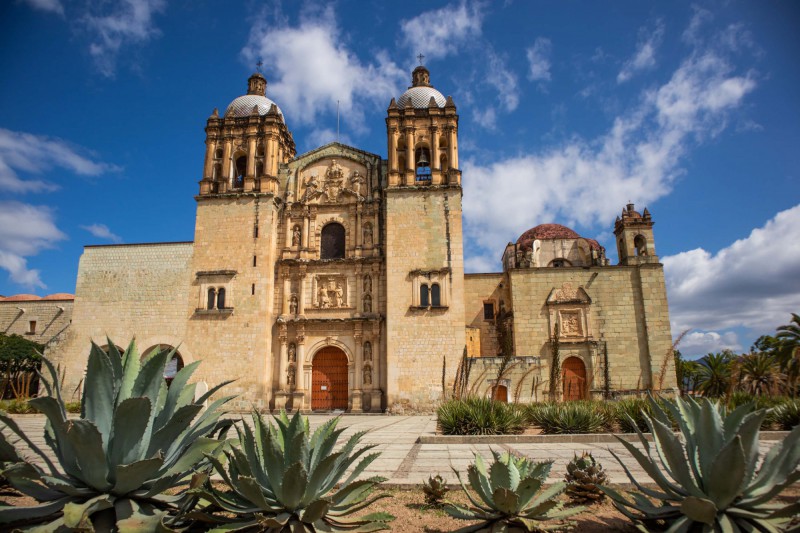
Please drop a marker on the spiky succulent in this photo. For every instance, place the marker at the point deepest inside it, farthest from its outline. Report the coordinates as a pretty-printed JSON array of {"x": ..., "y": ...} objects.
[
  {"x": 584, "y": 475},
  {"x": 435, "y": 490},
  {"x": 508, "y": 495},
  {"x": 135, "y": 439},
  {"x": 283, "y": 479},
  {"x": 710, "y": 479}
]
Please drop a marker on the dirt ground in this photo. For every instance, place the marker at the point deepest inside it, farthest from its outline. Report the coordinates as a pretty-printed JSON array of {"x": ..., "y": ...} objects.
[{"x": 413, "y": 515}]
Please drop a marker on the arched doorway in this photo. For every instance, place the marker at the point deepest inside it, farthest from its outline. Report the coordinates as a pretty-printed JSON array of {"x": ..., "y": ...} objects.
[
  {"x": 574, "y": 377},
  {"x": 501, "y": 393},
  {"x": 174, "y": 365},
  {"x": 329, "y": 380}
]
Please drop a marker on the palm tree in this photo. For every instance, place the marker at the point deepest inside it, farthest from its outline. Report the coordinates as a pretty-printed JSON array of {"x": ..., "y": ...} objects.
[
  {"x": 759, "y": 374},
  {"x": 715, "y": 374},
  {"x": 789, "y": 353}
]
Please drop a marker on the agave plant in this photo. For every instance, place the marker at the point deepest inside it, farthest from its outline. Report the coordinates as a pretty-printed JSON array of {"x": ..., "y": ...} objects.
[
  {"x": 284, "y": 479},
  {"x": 508, "y": 495},
  {"x": 135, "y": 439},
  {"x": 584, "y": 475},
  {"x": 435, "y": 490},
  {"x": 710, "y": 480}
]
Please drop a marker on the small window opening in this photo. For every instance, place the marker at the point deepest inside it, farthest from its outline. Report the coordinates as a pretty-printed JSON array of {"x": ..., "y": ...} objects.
[
  {"x": 560, "y": 263},
  {"x": 221, "y": 298},
  {"x": 436, "y": 299},
  {"x": 488, "y": 311},
  {"x": 253, "y": 289},
  {"x": 255, "y": 260},
  {"x": 333, "y": 241},
  {"x": 255, "y": 231},
  {"x": 423, "y": 170},
  {"x": 212, "y": 298},
  {"x": 423, "y": 295},
  {"x": 32, "y": 326},
  {"x": 218, "y": 153},
  {"x": 241, "y": 168},
  {"x": 173, "y": 367},
  {"x": 640, "y": 243}
]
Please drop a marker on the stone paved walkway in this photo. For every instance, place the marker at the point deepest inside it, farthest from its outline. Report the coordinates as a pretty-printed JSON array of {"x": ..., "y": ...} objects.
[{"x": 406, "y": 463}]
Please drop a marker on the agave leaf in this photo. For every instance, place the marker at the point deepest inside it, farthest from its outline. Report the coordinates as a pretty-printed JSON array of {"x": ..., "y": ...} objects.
[
  {"x": 505, "y": 500},
  {"x": 315, "y": 511},
  {"x": 150, "y": 378},
  {"x": 52, "y": 384},
  {"x": 652, "y": 469},
  {"x": 749, "y": 433},
  {"x": 202, "y": 399},
  {"x": 351, "y": 493},
  {"x": 76, "y": 513},
  {"x": 130, "y": 422},
  {"x": 294, "y": 486},
  {"x": 83, "y": 435},
  {"x": 133, "y": 476},
  {"x": 115, "y": 358},
  {"x": 27, "y": 479},
  {"x": 362, "y": 465},
  {"x": 459, "y": 511},
  {"x": 356, "y": 507},
  {"x": 171, "y": 432},
  {"x": 711, "y": 429},
  {"x": 174, "y": 393},
  {"x": 320, "y": 477},
  {"x": 14, "y": 427},
  {"x": 670, "y": 451},
  {"x": 319, "y": 437},
  {"x": 250, "y": 489},
  {"x": 527, "y": 489},
  {"x": 131, "y": 363},
  {"x": 503, "y": 473},
  {"x": 9, "y": 514},
  {"x": 546, "y": 495},
  {"x": 780, "y": 460},
  {"x": 649, "y": 492},
  {"x": 480, "y": 484},
  {"x": 766, "y": 495},
  {"x": 98, "y": 400},
  {"x": 681, "y": 525},
  {"x": 727, "y": 477},
  {"x": 249, "y": 447},
  {"x": 699, "y": 509}
]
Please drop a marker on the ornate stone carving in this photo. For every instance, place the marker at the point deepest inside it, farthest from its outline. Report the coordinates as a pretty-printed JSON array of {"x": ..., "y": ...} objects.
[
  {"x": 367, "y": 284},
  {"x": 293, "y": 304},
  {"x": 334, "y": 184},
  {"x": 568, "y": 294},
  {"x": 296, "y": 235},
  {"x": 367, "y": 375},
  {"x": 290, "y": 376},
  {"x": 368, "y": 235},
  {"x": 330, "y": 292},
  {"x": 367, "y": 303},
  {"x": 292, "y": 353},
  {"x": 571, "y": 324},
  {"x": 367, "y": 351}
]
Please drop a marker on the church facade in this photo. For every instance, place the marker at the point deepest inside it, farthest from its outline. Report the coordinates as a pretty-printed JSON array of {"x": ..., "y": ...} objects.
[{"x": 334, "y": 279}]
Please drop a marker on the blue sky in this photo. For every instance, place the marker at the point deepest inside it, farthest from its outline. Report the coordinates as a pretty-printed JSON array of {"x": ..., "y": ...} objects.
[{"x": 567, "y": 111}]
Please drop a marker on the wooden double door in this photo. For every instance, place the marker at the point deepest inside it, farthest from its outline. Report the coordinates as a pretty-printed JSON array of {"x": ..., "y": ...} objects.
[{"x": 329, "y": 380}]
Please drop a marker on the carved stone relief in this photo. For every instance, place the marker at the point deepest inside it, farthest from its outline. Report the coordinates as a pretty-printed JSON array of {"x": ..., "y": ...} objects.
[
  {"x": 571, "y": 324},
  {"x": 330, "y": 292},
  {"x": 334, "y": 185}
]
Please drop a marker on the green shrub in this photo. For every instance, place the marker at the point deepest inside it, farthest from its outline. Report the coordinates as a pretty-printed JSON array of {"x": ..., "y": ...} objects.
[
  {"x": 134, "y": 440},
  {"x": 17, "y": 406},
  {"x": 285, "y": 479},
  {"x": 73, "y": 407},
  {"x": 630, "y": 414},
  {"x": 787, "y": 415},
  {"x": 507, "y": 495},
  {"x": 569, "y": 417},
  {"x": 737, "y": 399},
  {"x": 709, "y": 477},
  {"x": 480, "y": 416}
]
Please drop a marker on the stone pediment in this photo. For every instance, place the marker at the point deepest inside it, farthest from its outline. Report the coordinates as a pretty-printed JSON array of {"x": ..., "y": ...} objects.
[
  {"x": 331, "y": 182},
  {"x": 568, "y": 294}
]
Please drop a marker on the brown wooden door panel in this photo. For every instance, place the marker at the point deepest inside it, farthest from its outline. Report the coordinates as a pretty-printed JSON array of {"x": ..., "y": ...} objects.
[
  {"x": 329, "y": 380},
  {"x": 574, "y": 377}
]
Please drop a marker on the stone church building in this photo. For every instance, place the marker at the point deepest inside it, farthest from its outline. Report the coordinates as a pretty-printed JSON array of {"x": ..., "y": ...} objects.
[{"x": 334, "y": 279}]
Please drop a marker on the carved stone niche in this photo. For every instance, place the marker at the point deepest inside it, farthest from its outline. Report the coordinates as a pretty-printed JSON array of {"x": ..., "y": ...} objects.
[
  {"x": 330, "y": 291},
  {"x": 568, "y": 308},
  {"x": 338, "y": 184}
]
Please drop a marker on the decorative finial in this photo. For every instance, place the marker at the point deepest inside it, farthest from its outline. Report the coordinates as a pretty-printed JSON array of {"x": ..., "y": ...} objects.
[
  {"x": 420, "y": 57},
  {"x": 259, "y": 65}
]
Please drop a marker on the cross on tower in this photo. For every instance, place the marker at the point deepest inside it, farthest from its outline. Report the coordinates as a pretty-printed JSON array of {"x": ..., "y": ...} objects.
[
  {"x": 258, "y": 65},
  {"x": 420, "y": 57}
]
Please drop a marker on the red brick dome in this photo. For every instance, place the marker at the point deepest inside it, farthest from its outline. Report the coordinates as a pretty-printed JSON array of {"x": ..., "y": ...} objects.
[
  {"x": 22, "y": 298},
  {"x": 549, "y": 232},
  {"x": 59, "y": 296}
]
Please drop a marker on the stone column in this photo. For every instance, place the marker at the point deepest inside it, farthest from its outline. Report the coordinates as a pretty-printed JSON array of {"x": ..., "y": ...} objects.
[
  {"x": 211, "y": 147},
  {"x": 435, "y": 148},
  {"x": 287, "y": 289},
  {"x": 226, "y": 166},
  {"x": 306, "y": 224},
  {"x": 301, "y": 297},
  {"x": 451, "y": 146},
  {"x": 289, "y": 229},
  {"x": 283, "y": 364},
  {"x": 359, "y": 368},
  {"x": 393, "y": 150},
  {"x": 251, "y": 157},
  {"x": 409, "y": 151},
  {"x": 359, "y": 229}
]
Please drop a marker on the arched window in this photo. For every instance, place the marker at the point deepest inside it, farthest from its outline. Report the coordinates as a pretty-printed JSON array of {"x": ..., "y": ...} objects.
[
  {"x": 422, "y": 157},
  {"x": 436, "y": 297},
  {"x": 221, "y": 298},
  {"x": 443, "y": 162},
  {"x": 218, "y": 153},
  {"x": 333, "y": 239},
  {"x": 423, "y": 295},
  {"x": 212, "y": 298},
  {"x": 640, "y": 243},
  {"x": 241, "y": 169},
  {"x": 560, "y": 262}
]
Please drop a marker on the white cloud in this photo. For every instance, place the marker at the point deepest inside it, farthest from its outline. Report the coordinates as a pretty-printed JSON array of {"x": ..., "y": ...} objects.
[
  {"x": 117, "y": 24},
  {"x": 441, "y": 32},
  {"x": 539, "y": 59},
  {"x": 645, "y": 55},
  {"x": 101, "y": 231},
  {"x": 587, "y": 181},
  {"x": 699, "y": 343},
  {"x": 309, "y": 68},
  {"x": 753, "y": 283},
  {"x": 35, "y": 154},
  {"x": 50, "y": 6},
  {"x": 25, "y": 230},
  {"x": 504, "y": 81}
]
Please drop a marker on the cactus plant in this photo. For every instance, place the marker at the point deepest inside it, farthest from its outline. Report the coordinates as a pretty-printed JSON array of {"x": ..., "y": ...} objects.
[
  {"x": 435, "y": 490},
  {"x": 508, "y": 495},
  {"x": 283, "y": 479},
  {"x": 584, "y": 476},
  {"x": 135, "y": 439},
  {"x": 710, "y": 479}
]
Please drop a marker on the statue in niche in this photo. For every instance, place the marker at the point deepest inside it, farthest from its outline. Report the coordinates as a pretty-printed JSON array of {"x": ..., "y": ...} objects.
[
  {"x": 367, "y": 283},
  {"x": 367, "y": 303},
  {"x": 293, "y": 305},
  {"x": 368, "y": 235},
  {"x": 324, "y": 300},
  {"x": 296, "y": 236},
  {"x": 367, "y": 351},
  {"x": 356, "y": 183},
  {"x": 367, "y": 375},
  {"x": 339, "y": 293},
  {"x": 290, "y": 377},
  {"x": 292, "y": 353}
]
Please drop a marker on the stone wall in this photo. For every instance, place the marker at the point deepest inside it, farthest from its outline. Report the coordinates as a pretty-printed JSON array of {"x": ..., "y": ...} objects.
[
  {"x": 478, "y": 290},
  {"x": 51, "y": 318},
  {"x": 122, "y": 291}
]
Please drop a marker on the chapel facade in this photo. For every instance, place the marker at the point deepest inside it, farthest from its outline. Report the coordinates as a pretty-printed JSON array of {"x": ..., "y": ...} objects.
[{"x": 334, "y": 279}]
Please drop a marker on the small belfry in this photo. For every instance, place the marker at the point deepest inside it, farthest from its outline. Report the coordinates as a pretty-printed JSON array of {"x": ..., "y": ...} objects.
[
  {"x": 634, "y": 233},
  {"x": 422, "y": 134},
  {"x": 246, "y": 146}
]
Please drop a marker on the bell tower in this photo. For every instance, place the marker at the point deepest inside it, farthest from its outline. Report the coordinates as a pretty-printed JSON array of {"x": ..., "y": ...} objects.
[
  {"x": 424, "y": 243},
  {"x": 634, "y": 233}
]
